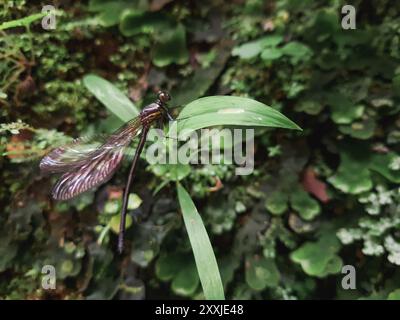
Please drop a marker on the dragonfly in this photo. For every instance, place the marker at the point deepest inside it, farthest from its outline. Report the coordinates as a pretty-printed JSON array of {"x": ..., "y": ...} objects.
[{"x": 84, "y": 168}]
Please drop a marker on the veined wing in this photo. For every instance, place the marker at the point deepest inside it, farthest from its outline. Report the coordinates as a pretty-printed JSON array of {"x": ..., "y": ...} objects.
[{"x": 87, "y": 163}]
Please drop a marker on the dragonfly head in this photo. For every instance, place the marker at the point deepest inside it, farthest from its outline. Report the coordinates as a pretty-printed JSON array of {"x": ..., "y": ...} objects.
[{"x": 163, "y": 97}]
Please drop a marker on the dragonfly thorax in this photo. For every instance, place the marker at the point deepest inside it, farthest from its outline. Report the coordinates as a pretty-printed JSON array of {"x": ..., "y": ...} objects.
[{"x": 157, "y": 109}]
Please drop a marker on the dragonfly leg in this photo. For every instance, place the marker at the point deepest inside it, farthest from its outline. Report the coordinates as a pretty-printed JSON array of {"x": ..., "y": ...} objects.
[{"x": 127, "y": 187}]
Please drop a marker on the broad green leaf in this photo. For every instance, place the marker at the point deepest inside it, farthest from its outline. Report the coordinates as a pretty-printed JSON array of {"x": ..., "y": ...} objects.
[
  {"x": 115, "y": 222},
  {"x": 230, "y": 110},
  {"x": 134, "y": 22},
  {"x": 171, "y": 47},
  {"x": 186, "y": 281},
  {"x": 261, "y": 273},
  {"x": 297, "y": 51},
  {"x": 353, "y": 160},
  {"x": 271, "y": 41},
  {"x": 253, "y": 48},
  {"x": 23, "y": 22},
  {"x": 277, "y": 202},
  {"x": 319, "y": 258},
  {"x": 359, "y": 158},
  {"x": 271, "y": 54},
  {"x": 110, "y": 11},
  {"x": 169, "y": 265},
  {"x": 381, "y": 164},
  {"x": 343, "y": 110},
  {"x": 145, "y": 245},
  {"x": 311, "y": 107},
  {"x": 394, "y": 295},
  {"x": 112, "y": 98},
  {"x": 304, "y": 204},
  {"x": 248, "y": 50},
  {"x": 134, "y": 201},
  {"x": 111, "y": 14},
  {"x": 359, "y": 129},
  {"x": 206, "y": 262}
]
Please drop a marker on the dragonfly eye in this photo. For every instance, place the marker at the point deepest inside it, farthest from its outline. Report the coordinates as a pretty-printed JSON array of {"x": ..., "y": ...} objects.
[{"x": 164, "y": 96}]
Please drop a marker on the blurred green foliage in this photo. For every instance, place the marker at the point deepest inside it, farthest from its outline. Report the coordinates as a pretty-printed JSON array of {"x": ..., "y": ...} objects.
[{"x": 318, "y": 199}]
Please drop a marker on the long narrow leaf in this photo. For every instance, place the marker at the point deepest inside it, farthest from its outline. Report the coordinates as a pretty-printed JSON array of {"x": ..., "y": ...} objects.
[
  {"x": 112, "y": 98},
  {"x": 206, "y": 262},
  {"x": 230, "y": 110}
]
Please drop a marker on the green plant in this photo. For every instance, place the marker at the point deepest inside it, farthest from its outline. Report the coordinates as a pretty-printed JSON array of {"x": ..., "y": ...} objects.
[
  {"x": 339, "y": 177},
  {"x": 201, "y": 113}
]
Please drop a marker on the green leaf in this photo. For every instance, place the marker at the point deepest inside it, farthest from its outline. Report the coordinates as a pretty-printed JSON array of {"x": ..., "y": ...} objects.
[
  {"x": 358, "y": 158},
  {"x": 172, "y": 172},
  {"x": 319, "y": 258},
  {"x": 115, "y": 221},
  {"x": 134, "y": 23},
  {"x": 23, "y": 22},
  {"x": 394, "y": 295},
  {"x": 112, "y": 98},
  {"x": 271, "y": 41},
  {"x": 168, "y": 265},
  {"x": 186, "y": 281},
  {"x": 311, "y": 107},
  {"x": 305, "y": 205},
  {"x": 261, "y": 273},
  {"x": 111, "y": 14},
  {"x": 171, "y": 47},
  {"x": 359, "y": 129},
  {"x": 206, "y": 262},
  {"x": 248, "y": 50},
  {"x": 381, "y": 164},
  {"x": 253, "y": 48},
  {"x": 145, "y": 245},
  {"x": 297, "y": 51},
  {"x": 354, "y": 159},
  {"x": 271, "y": 54},
  {"x": 111, "y": 11},
  {"x": 343, "y": 110},
  {"x": 276, "y": 202},
  {"x": 230, "y": 110}
]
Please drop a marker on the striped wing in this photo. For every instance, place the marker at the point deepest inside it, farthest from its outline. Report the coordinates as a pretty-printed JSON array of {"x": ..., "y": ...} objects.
[{"x": 88, "y": 163}]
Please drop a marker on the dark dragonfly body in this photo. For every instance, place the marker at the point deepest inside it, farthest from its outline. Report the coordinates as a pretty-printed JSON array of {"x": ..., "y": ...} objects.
[{"x": 86, "y": 168}]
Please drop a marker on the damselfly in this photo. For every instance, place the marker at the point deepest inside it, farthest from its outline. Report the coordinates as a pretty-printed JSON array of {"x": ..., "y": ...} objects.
[{"x": 85, "y": 168}]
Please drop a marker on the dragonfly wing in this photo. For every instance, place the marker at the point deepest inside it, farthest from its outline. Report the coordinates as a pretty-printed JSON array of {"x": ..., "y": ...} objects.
[
  {"x": 87, "y": 167},
  {"x": 91, "y": 174},
  {"x": 77, "y": 153},
  {"x": 69, "y": 156}
]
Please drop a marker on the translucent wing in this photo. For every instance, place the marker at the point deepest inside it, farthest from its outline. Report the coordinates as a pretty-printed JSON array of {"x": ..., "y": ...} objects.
[{"x": 87, "y": 163}]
